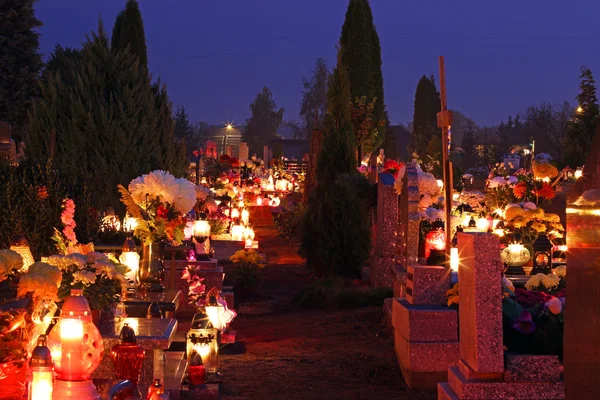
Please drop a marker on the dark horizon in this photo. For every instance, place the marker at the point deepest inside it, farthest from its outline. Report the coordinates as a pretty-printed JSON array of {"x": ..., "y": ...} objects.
[{"x": 214, "y": 58}]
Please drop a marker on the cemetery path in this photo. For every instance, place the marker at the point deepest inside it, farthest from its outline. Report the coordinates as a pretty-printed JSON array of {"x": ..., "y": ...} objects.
[{"x": 320, "y": 354}]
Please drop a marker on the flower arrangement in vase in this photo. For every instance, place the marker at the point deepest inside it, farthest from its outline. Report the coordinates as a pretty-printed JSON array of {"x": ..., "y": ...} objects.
[
  {"x": 100, "y": 278},
  {"x": 159, "y": 202}
]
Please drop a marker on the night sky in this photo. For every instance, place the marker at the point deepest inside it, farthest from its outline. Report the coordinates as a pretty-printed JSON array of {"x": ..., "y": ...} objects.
[{"x": 215, "y": 55}]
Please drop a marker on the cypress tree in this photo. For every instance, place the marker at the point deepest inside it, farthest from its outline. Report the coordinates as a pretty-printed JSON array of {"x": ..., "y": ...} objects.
[
  {"x": 129, "y": 31},
  {"x": 426, "y": 106},
  {"x": 111, "y": 124},
  {"x": 336, "y": 235},
  {"x": 581, "y": 128},
  {"x": 362, "y": 56},
  {"x": 20, "y": 62}
]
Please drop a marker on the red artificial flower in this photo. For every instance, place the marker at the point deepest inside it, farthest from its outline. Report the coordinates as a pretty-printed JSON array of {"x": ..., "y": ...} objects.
[
  {"x": 234, "y": 162},
  {"x": 546, "y": 191},
  {"x": 196, "y": 153},
  {"x": 256, "y": 179},
  {"x": 42, "y": 192},
  {"x": 519, "y": 190},
  {"x": 224, "y": 158},
  {"x": 161, "y": 212}
]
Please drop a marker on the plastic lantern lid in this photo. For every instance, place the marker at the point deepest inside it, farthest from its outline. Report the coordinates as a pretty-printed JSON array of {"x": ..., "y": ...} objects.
[
  {"x": 438, "y": 224},
  {"x": 19, "y": 241},
  {"x": 127, "y": 334},
  {"x": 542, "y": 243},
  {"x": 129, "y": 246},
  {"x": 76, "y": 306},
  {"x": 41, "y": 356}
]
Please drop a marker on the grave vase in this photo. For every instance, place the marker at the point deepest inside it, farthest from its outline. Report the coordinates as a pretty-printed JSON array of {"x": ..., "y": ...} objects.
[{"x": 152, "y": 271}]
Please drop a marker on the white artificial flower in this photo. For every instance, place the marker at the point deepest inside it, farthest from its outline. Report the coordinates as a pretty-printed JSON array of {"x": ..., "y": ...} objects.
[
  {"x": 425, "y": 202},
  {"x": 185, "y": 197},
  {"x": 427, "y": 183},
  {"x": 561, "y": 271},
  {"x": 529, "y": 206},
  {"x": 496, "y": 181},
  {"x": 512, "y": 180},
  {"x": 554, "y": 305}
]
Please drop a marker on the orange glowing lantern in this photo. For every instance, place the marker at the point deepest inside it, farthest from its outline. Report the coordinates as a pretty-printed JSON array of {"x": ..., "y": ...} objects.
[
  {"x": 435, "y": 241},
  {"x": 76, "y": 347}
]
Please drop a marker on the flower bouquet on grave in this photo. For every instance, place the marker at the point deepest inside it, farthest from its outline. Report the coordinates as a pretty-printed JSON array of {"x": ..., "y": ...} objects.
[
  {"x": 101, "y": 279},
  {"x": 158, "y": 202}
]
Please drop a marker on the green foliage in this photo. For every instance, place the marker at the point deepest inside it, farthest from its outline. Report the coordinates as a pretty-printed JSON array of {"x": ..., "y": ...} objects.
[
  {"x": 427, "y": 105},
  {"x": 314, "y": 99},
  {"x": 581, "y": 128},
  {"x": 128, "y": 32},
  {"x": 362, "y": 55},
  {"x": 30, "y": 205},
  {"x": 289, "y": 222},
  {"x": 183, "y": 128},
  {"x": 62, "y": 61},
  {"x": 262, "y": 126},
  {"x": 247, "y": 273},
  {"x": 111, "y": 126},
  {"x": 20, "y": 61},
  {"x": 336, "y": 236},
  {"x": 340, "y": 294}
]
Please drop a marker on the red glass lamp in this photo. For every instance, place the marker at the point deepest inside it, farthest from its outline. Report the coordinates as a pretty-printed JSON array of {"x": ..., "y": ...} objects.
[
  {"x": 76, "y": 347},
  {"x": 127, "y": 357}
]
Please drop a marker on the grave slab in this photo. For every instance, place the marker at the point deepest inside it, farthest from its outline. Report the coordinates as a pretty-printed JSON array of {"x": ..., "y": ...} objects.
[
  {"x": 424, "y": 323},
  {"x": 427, "y": 284}
]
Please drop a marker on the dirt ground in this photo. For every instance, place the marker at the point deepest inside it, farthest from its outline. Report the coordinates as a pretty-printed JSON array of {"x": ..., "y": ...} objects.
[{"x": 296, "y": 354}]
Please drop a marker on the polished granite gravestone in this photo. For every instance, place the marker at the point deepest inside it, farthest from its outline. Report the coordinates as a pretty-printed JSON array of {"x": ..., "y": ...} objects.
[
  {"x": 483, "y": 370},
  {"x": 582, "y": 312}
]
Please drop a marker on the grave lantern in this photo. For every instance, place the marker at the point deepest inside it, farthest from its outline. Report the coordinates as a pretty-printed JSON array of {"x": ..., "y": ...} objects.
[
  {"x": 130, "y": 257},
  {"x": 235, "y": 213},
  {"x": 515, "y": 255},
  {"x": 20, "y": 245},
  {"x": 245, "y": 216},
  {"x": 471, "y": 226},
  {"x": 129, "y": 223},
  {"x": 542, "y": 255},
  {"x": 435, "y": 244},
  {"x": 482, "y": 223},
  {"x": 201, "y": 233},
  {"x": 76, "y": 347},
  {"x": 41, "y": 375},
  {"x": 202, "y": 338},
  {"x": 237, "y": 232},
  {"x": 127, "y": 356}
]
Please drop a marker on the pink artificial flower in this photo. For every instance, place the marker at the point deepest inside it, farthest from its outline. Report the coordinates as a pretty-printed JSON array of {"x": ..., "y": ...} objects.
[
  {"x": 186, "y": 275},
  {"x": 197, "y": 288}
]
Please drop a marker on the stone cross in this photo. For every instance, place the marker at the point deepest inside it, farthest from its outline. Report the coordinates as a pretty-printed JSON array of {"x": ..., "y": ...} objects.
[{"x": 582, "y": 312}]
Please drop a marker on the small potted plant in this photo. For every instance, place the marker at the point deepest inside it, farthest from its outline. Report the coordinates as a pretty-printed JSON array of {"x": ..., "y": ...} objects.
[{"x": 249, "y": 264}]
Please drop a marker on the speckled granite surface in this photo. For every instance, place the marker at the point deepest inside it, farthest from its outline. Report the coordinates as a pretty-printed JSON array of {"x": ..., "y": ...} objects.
[
  {"x": 425, "y": 323},
  {"x": 426, "y": 284},
  {"x": 480, "y": 307}
]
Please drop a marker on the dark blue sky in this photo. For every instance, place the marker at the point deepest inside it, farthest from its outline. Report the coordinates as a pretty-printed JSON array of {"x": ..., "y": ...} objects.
[{"x": 215, "y": 55}]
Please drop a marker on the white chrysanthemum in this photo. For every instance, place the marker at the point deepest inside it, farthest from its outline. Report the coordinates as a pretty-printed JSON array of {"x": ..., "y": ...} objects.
[
  {"x": 529, "y": 206},
  {"x": 75, "y": 259},
  {"x": 550, "y": 281},
  {"x": 11, "y": 260},
  {"x": 561, "y": 271},
  {"x": 428, "y": 184},
  {"x": 85, "y": 277},
  {"x": 433, "y": 214},
  {"x": 496, "y": 181},
  {"x": 534, "y": 281},
  {"x": 95, "y": 256},
  {"x": 512, "y": 180},
  {"x": 186, "y": 196},
  {"x": 425, "y": 202}
]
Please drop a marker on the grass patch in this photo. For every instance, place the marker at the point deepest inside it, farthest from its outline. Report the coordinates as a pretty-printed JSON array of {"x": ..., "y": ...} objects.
[{"x": 341, "y": 294}]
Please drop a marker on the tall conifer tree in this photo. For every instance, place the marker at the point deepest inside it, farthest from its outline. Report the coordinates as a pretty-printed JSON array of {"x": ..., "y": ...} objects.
[
  {"x": 582, "y": 126},
  {"x": 336, "y": 235},
  {"x": 20, "y": 62},
  {"x": 426, "y": 106},
  {"x": 362, "y": 56},
  {"x": 129, "y": 31}
]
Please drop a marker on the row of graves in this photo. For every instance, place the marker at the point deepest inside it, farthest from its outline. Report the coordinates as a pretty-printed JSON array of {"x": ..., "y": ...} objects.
[
  {"x": 485, "y": 316},
  {"x": 104, "y": 319}
]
